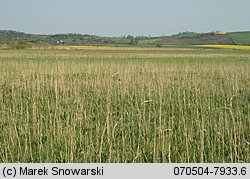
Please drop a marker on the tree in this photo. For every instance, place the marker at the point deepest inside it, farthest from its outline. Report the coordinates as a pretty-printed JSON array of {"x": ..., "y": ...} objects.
[
  {"x": 1, "y": 40},
  {"x": 133, "y": 40},
  {"x": 136, "y": 41},
  {"x": 19, "y": 45}
]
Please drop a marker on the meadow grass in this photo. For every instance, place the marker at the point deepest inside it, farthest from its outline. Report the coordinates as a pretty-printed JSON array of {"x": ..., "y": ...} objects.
[{"x": 125, "y": 105}]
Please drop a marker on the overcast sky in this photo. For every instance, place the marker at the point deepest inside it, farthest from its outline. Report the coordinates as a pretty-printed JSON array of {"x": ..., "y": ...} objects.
[{"x": 124, "y": 17}]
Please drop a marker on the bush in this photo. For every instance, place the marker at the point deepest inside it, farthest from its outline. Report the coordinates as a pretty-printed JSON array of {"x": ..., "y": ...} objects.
[{"x": 19, "y": 45}]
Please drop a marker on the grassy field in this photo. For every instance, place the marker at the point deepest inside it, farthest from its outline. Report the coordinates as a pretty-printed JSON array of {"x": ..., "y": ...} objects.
[
  {"x": 240, "y": 38},
  {"x": 125, "y": 105}
]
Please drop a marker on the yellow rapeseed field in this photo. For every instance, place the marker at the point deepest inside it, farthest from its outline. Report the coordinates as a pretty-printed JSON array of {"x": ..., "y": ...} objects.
[
  {"x": 221, "y": 33},
  {"x": 227, "y": 46}
]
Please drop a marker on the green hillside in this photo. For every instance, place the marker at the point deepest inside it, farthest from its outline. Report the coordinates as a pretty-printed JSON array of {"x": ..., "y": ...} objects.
[
  {"x": 180, "y": 39},
  {"x": 188, "y": 38},
  {"x": 240, "y": 38}
]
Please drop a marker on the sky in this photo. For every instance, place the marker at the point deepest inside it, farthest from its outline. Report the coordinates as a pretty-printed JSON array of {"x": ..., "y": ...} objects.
[{"x": 124, "y": 17}]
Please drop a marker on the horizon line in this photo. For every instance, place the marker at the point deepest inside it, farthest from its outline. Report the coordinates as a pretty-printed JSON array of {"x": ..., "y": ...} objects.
[{"x": 125, "y": 35}]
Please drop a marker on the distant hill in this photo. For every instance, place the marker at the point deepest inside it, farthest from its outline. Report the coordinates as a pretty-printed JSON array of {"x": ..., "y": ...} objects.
[
  {"x": 188, "y": 38},
  {"x": 67, "y": 39},
  {"x": 184, "y": 38},
  {"x": 240, "y": 38}
]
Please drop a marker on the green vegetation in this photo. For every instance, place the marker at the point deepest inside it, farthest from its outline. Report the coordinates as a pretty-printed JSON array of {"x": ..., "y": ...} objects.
[
  {"x": 72, "y": 39},
  {"x": 19, "y": 45},
  {"x": 189, "y": 38},
  {"x": 66, "y": 39},
  {"x": 176, "y": 105},
  {"x": 240, "y": 38}
]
